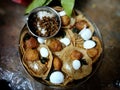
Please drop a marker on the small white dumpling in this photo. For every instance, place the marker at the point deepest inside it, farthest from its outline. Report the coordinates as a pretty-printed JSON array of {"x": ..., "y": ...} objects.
[
  {"x": 62, "y": 13},
  {"x": 40, "y": 40},
  {"x": 76, "y": 64},
  {"x": 85, "y": 33},
  {"x": 89, "y": 44},
  {"x": 57, "y": 77},
  {"x": 65, "y": 41},
  {"x": 44, "y": 52}
]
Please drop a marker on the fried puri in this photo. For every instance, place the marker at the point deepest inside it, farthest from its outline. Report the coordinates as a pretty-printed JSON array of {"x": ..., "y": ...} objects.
[
  {"x": 92, "y": 52},
  {"x": 31, "y": 54},
  {"x": 57, "y": 63},
  {"x": 81, "y": 24},
  {"x": 75, "y": 54},
  {"x": 31, "y": 43},
  {"x": 54, "y": 45},
  {"x": 65, "y": 20}
]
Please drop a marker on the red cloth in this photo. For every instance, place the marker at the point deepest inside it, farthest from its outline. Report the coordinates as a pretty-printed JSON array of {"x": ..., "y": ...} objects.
[{"x": 23, "y": 2}]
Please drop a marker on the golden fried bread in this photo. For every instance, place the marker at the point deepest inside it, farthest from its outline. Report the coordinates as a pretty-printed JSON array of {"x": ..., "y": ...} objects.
[
  {"x": 92, "y": 52},
  {"x": 31, "y": 43},
  {"x": 54, "y": 45},
  {"x": 32, "y": 60},
  {"x": 67, "y": 63},
  {"x": 98, "y": 47},
  {"x": 57, "y": 63},
  {"x": 36, "y": 68},
  {"x": 75, "y": 54},
  {"x": 31, "y": 54}
]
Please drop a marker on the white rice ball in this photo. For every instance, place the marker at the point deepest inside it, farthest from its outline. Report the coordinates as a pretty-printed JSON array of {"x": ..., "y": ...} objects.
[
  {"x": 65, "y": 41},
  {"x": 40, "y": 40},
  {"x": 86, "y": 34},
  {"x": 89, "y": 44},
  {"x": 44, "y": 52},
  {"x": 57, "y": 77},
  {"x": 76, "y": 64}
]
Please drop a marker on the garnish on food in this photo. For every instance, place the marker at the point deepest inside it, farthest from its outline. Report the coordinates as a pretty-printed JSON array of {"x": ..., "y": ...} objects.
[{"x": 66, "y": 4}]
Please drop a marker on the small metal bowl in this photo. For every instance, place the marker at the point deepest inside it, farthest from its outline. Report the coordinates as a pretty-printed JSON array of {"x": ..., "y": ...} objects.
[{"x": 33, "y": 15}]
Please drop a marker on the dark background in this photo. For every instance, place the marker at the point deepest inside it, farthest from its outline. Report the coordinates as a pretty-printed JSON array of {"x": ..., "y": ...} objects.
[{"x": 106, "y": 15}]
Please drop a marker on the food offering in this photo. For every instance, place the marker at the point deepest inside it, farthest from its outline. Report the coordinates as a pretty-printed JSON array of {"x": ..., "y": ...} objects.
[{"x": 64, "y": 58}]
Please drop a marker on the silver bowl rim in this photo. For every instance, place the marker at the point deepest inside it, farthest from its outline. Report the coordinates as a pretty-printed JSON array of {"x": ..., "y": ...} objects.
[{"x": 47, "y": 8}]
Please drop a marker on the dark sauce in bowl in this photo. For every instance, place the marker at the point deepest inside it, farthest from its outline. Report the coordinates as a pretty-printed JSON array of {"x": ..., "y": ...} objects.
[{"x": 44, "y": 22}]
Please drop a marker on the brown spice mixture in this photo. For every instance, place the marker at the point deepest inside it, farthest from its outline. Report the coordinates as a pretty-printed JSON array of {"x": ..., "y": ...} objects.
[{"x": 48, "y": 24}]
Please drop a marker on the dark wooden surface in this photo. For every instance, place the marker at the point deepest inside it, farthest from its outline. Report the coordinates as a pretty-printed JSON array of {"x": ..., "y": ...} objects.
[{"x": 105, "y": 13}]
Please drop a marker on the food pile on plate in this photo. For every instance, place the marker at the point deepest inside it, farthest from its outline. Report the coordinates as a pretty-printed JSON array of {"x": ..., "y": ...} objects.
[{"x": 66, "y": 57}]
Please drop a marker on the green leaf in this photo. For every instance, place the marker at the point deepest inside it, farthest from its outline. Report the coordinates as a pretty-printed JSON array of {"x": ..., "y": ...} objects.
[
  {"x": 74, "y": 30},
  {"x": 47, "y": 2},
  {"x": 34, "y": 4},
  {"x": 68, "y": 6}
]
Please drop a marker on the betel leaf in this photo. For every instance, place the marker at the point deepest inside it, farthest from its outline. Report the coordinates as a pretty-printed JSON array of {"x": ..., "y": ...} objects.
[
  {"x": 47, "y": 2},
  {"x": 68, "y": 6},
  {"x": 34, "y": 4}
]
